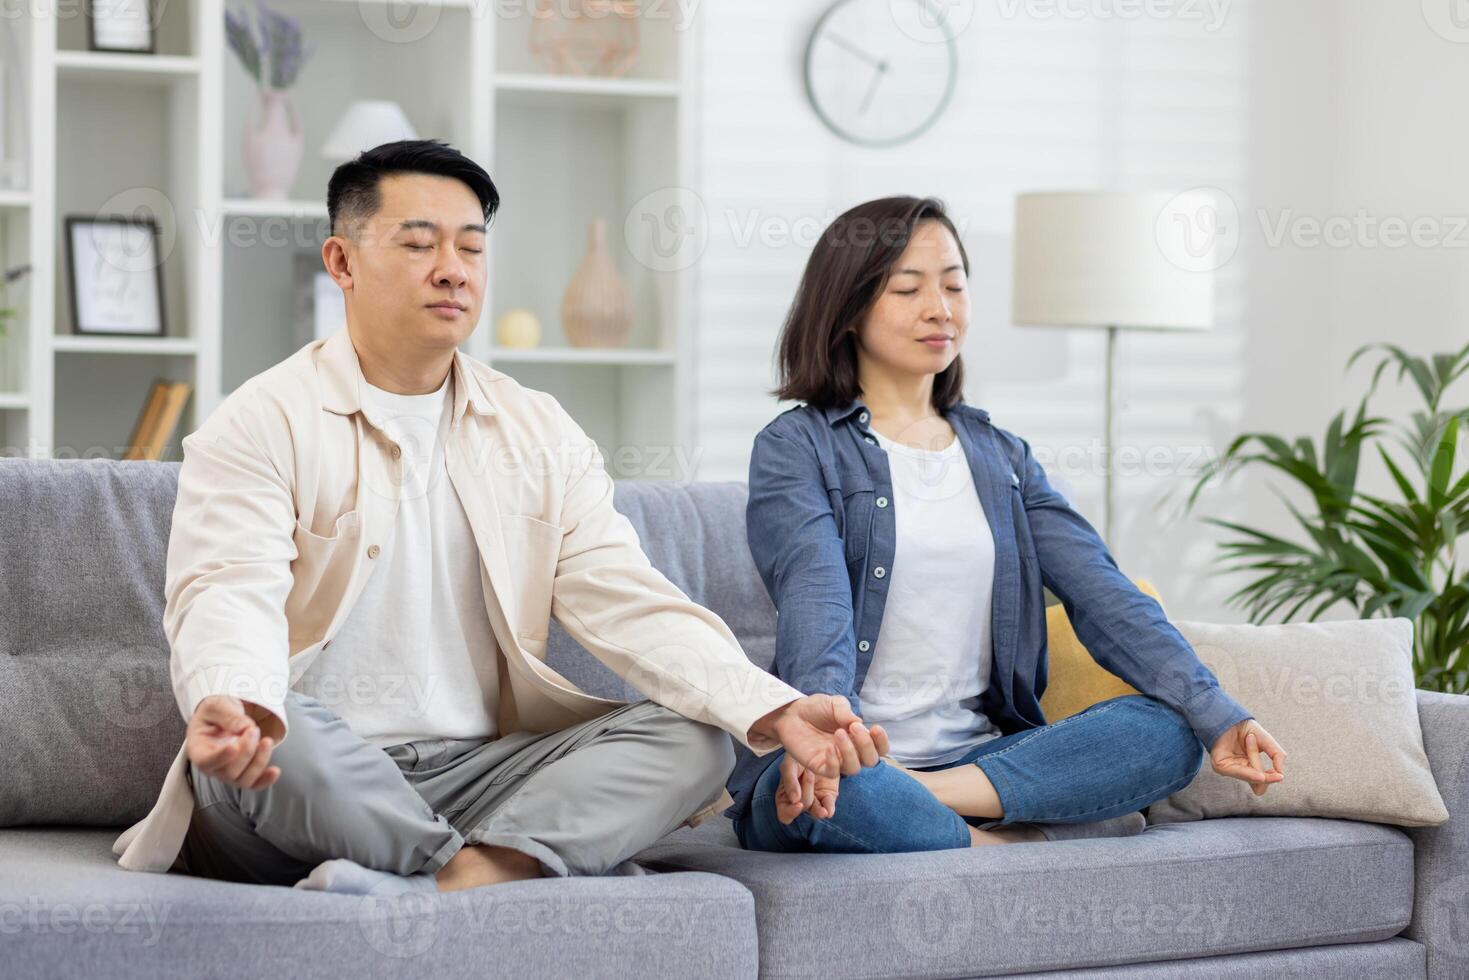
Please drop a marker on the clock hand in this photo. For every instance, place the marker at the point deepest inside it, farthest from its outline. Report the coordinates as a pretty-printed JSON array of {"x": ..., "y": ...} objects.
[
  {"x": 851, "y": 48},
  {"x": 882, "y": 67}
]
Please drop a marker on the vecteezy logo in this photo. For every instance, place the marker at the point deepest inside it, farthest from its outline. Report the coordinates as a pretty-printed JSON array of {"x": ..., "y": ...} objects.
[
  {"x": 667, "y": 230},
  {"x": 399, "y": 22},
  {"x": 141, "y": 204},
  {"x": 1198, "y": 230},
  {"x": 932, "y": 21},
  {"x": 1449, "y": 19},
  {"x": 134, "y": 695},
  {"x": 400, "y": 925},
  {"x": 932, "y": 919}
]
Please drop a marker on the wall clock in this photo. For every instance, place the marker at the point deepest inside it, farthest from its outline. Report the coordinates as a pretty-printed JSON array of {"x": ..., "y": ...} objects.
[{"x": 881, "y": 72}]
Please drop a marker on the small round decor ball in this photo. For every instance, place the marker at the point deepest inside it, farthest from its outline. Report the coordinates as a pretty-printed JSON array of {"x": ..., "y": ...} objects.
[{"x": 518, "y": 328}]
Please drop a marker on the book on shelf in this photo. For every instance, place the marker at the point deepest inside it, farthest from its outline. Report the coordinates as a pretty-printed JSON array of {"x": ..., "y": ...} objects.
[{"x": 158, "y": 419}]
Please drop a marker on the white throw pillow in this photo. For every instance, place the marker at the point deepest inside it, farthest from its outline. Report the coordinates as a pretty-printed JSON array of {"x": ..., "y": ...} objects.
[{"x": 1340, "y": 698}]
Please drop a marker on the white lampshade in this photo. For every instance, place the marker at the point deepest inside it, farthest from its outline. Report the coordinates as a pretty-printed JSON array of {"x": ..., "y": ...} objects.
[
  {"x": 367, "y": 123},
  {"x": 1112, "y": 259}
]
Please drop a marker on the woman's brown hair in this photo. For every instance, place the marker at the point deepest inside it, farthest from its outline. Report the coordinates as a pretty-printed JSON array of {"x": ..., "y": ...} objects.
[{"x": 847, "y": 270}]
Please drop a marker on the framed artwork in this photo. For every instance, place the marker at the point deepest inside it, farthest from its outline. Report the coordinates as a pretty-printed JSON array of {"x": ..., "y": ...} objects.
[
  {"x": 115, "y": 276},
  {"x": 121, "y": 25}
]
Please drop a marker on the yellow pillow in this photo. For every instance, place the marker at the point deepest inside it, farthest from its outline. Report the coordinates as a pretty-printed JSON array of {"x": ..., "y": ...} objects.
[{"x": 1076, "y": 681}]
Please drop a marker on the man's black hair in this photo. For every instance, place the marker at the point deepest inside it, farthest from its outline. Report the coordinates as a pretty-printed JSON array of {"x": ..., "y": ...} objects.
[{"x": 353, "y": 195}]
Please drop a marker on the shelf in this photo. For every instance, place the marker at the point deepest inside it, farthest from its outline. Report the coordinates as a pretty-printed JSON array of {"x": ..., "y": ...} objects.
[
  {"x": 268, "y": 208},
  {"x": 531, "y": 89},
  {"x": 14, "y": 400},
  {"x": 144, "y": 69},
  {"x": 579, "y": 355},
  {"x": 73, "y": 344},
  {"x": 15, "y": 199}
]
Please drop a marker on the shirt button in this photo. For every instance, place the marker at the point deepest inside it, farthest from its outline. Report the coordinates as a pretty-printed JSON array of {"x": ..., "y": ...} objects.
[
  {"x": 872, "y": 440},
  {"x": 373, "y": 551},
  {"x": 882, "y": 501},
  {"x": 862, "y": 418},
  {"x": 879, "y": 572},
  {"x": 864, "y": 646}
]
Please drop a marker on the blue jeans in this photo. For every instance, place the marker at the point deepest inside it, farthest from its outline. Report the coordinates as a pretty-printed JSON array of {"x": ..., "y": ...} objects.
[{"x": 1114, "y": 758}]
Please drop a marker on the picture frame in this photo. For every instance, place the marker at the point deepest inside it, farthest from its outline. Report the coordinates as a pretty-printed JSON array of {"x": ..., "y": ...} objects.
[
  {"x": 122, "y": 26},
  {"x": 114, "y": 275}
]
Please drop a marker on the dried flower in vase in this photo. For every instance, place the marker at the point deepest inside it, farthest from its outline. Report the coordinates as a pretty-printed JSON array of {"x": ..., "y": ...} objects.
[
  {"x": 8, "y": 313},
  {"x": 272, "y": 51}
]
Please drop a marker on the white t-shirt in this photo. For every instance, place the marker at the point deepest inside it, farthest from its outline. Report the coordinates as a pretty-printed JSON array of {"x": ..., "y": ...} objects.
[
  {"x": 416, "y": 658},
  {"x": 934, "y": 649}
]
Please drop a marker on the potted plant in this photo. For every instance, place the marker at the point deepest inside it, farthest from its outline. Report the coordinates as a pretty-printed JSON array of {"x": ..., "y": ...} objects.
[
  {"x": 272, "y": 54},
  {"x": 1385, "y": 556}
]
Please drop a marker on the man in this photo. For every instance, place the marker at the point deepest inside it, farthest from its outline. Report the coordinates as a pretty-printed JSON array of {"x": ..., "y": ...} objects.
[{"x": 368, "y": 543}]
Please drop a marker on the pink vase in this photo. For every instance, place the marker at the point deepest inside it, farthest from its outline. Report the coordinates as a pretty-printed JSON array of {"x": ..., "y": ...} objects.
[
  {"x": 596, "y": 310},
  {"x": 273, "y": 146}
]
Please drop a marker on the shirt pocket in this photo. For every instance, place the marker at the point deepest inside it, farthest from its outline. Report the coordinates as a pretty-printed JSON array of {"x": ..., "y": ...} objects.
[
  {"x": 1024, "y": 540},
  {"x": 320, "y": 574},
  {"x": 857, "y": 508},
  {"x": 532, "y": 548}
]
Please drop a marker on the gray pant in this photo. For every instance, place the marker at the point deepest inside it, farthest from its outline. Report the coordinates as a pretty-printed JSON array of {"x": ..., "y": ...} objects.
[{"x": 580, "y": 801}]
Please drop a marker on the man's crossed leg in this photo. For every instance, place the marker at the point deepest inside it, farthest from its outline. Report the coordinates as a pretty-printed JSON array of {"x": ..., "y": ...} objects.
[{"x": 345, "y": 815}]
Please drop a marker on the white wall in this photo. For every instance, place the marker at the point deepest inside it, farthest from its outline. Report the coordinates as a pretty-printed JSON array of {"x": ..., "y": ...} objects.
[{"x": 1291, "y": 107}]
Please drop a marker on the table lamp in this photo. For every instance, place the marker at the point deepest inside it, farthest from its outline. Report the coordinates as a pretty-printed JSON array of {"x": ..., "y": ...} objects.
[{"x": 365, "y": 124}]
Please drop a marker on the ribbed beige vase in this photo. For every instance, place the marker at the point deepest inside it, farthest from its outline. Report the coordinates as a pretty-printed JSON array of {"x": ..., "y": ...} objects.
[{"x": 596, "y": 309}]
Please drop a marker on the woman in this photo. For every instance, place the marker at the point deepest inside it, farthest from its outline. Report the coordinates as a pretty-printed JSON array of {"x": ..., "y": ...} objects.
[{"x": 905, "y": 540}]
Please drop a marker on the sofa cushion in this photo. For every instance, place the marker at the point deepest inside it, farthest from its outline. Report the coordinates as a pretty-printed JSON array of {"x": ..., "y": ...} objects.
[
  {"x": 1171, "y": 892},
  {"x": 1339, "y": 698},
  {"x": 694, "y": 533},
  {"x": 86, "y": 713},
  {"x": 70, "y": 911},
  {"x": 1075, "y": 681}
]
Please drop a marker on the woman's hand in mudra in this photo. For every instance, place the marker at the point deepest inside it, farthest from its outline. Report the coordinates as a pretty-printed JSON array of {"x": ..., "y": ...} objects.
[{"x": 1238, "y": 754}]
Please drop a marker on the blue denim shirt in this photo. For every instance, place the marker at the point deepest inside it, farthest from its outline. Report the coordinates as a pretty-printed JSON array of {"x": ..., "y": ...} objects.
[{"x": 822, "y": 531}]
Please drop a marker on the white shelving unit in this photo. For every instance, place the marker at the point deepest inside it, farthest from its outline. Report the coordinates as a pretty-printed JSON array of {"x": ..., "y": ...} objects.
[{"x": 124, "y": 133}]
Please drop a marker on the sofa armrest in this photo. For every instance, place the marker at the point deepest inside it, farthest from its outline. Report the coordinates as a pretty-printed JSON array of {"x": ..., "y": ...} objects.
[{"x": 1441, "y": 854}]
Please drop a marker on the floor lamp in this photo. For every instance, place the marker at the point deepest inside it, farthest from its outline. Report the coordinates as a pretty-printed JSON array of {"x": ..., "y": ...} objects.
[{"x": 1120, "y": 261}]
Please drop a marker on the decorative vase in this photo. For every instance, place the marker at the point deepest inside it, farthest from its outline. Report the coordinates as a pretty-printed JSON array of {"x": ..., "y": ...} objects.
[
  {"x": 585, "y": 37},
  {"x": 596, "y": 310},
  {"x": 273, "y": 146}
]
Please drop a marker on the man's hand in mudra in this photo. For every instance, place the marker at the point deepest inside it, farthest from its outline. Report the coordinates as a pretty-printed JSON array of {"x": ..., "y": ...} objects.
[{"x": 224, "y": 740}]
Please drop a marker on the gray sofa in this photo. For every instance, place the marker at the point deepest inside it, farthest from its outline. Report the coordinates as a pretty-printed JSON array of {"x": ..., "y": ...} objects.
[{"x": 89, "y": 728}]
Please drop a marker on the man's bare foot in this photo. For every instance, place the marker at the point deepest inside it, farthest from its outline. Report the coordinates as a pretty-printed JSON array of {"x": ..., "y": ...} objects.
[{"x": 482, "y": 864}]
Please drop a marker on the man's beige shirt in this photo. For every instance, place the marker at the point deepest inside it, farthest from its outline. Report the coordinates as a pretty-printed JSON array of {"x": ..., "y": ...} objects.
[{"x": 289, "y": 492}]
